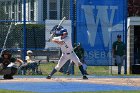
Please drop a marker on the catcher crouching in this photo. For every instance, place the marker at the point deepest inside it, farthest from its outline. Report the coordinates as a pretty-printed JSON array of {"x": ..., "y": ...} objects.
[{"x": 7, "y": 66}]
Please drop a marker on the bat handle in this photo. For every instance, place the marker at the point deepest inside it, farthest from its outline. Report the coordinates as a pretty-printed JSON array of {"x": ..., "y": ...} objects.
[{"x": 50, "y": 37}]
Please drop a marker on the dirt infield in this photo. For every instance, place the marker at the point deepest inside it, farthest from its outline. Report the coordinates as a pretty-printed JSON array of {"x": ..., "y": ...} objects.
[{"x": 111, "y": 81}]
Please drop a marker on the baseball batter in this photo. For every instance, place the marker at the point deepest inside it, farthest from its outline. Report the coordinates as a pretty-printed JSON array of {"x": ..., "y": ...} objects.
[{"x": 67, "y": 53}]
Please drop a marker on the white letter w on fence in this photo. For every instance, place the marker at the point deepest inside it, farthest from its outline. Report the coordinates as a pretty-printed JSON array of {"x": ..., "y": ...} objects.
[{"x": 101, "y": 17}]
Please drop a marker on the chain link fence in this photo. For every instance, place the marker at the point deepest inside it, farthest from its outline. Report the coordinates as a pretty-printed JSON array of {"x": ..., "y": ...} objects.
[{"x": 23, "y": 28}]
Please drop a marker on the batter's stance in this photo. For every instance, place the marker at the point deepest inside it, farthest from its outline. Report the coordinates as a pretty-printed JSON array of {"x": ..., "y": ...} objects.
[{"x": 67, "y": 53}]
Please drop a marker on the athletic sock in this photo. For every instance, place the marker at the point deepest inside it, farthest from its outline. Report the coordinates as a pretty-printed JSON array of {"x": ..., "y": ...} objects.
[
  {"x": 82, "y": 70},
  {"x": 53, "y": 71}
]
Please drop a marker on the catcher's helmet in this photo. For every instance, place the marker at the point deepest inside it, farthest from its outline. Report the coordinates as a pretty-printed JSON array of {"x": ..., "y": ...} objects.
[
  {"x": 6, "y": 52},
  {"x": 79, "y": 44}
]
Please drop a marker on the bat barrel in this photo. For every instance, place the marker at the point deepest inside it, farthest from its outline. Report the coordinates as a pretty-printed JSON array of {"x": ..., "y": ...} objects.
[{"x": 61, "y": 22}]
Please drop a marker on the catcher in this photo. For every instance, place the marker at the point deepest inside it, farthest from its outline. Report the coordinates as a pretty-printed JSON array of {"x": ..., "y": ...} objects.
[{"x": 7, "y": 66}]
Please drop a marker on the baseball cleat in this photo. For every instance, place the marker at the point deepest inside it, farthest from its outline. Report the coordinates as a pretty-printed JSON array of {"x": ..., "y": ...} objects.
[
  {"x": 8, "y": 77},
  {"x": 85, "y": 77},
  {"x": 48, "y": 77}
]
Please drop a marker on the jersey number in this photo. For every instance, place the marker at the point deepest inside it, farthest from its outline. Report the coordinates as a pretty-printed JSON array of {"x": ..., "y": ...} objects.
[{"x": 66, "y": 46}]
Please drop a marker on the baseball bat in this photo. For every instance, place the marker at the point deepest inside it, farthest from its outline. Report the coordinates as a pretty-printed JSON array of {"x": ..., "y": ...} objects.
[
  {"x": 57, "y": 27},
  {"x": 61, "y": 22}
]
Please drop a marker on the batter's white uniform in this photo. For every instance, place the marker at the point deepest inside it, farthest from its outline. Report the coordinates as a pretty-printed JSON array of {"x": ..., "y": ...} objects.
[{"x": 67, "y": 53}]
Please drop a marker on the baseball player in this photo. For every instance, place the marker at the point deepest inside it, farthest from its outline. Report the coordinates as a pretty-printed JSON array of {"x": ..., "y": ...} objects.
[
  {"x": 118, "y": 50},
  {"x": 67, "y": 53},
  {"x": 7, "y": 63},
  {"x": 80, "y": 53},
  {"x": 30, "y": 59}
]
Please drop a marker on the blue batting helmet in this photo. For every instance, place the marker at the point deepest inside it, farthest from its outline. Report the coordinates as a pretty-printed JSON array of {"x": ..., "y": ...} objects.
[
  {"x": 62, "y": 31},
  {"x": 56, "y": 28}
]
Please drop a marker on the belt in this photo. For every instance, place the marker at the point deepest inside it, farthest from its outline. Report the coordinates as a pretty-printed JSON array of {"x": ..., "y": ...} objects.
[{"x": 68, "y": 53}]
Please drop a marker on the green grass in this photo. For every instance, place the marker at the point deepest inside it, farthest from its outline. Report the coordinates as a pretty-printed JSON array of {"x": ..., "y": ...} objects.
[
  {"x": 46, "y": 68},
  {"x": 92, "y": 70},
  {"x": 108, "y": 92},
  {"x": 12, "y": 91}
]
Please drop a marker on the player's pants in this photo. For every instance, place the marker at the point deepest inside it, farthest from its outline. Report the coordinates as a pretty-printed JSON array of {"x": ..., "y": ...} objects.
[
  {"x": 120, "y": 63},
  {"x": 65, "y": 57},
  {"x": 8, "y": 71}
]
